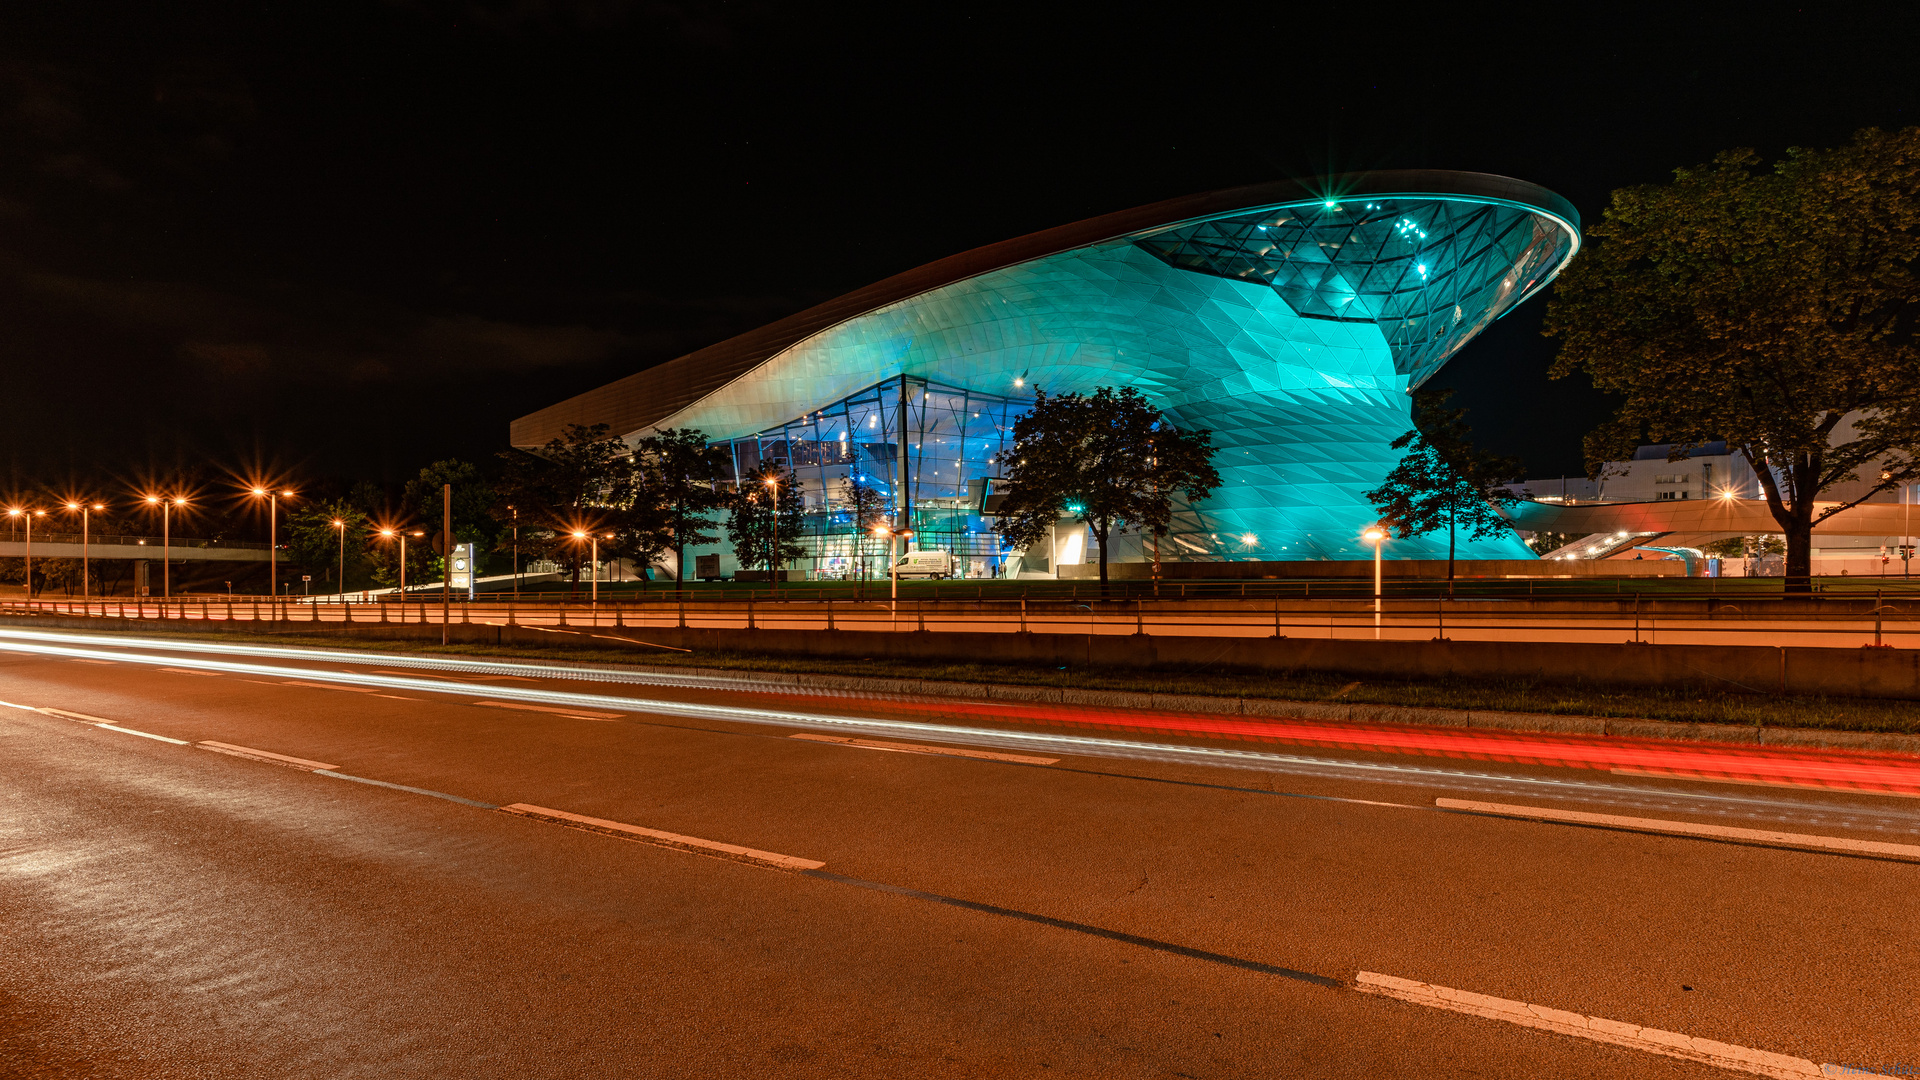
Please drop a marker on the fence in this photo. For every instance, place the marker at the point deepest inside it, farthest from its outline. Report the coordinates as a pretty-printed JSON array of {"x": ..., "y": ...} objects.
[{"x": 1824, "y": 620}]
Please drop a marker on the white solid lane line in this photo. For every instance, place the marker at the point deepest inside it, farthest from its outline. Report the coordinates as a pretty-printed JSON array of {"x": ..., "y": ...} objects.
[
  {"x": 1685, "y": 828},
  {"x": 1599, "y": 1029},
  {"x": 142, "y": 734},
  {"x": 658, "y": 838},
  {"x": 267, "y": 756},
  {"x": 917, "y": 748}
]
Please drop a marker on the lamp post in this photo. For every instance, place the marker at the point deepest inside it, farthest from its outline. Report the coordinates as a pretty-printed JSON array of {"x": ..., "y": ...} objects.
[
  {"x": 402, "y": 534},
  {"x": 893, "y": 562},
  {"x": 773, "y": 559},
  {"x": 593, "y": 565},
  {"x": 86, "y": 573},
  {"x": 166, "y": 540},
  {"x": 516, "y": 552},
  {"x": 1378, "y": 536},
  {"x": 273, "y": 540},
  {"x": 342, "y": 527},
  {"x": 28, "y": 514}
]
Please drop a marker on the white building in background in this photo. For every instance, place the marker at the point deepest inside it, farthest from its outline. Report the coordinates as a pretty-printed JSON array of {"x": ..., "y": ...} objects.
[{"x": 1646, "y": 506}]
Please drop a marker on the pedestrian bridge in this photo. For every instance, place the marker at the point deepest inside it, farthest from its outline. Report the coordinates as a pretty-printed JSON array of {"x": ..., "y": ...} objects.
[{"x": 13, "y": 545}]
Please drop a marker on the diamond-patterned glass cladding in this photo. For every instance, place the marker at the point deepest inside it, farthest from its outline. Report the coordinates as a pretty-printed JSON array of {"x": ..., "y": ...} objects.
[
  {"x": 1304, "y": 383},
  {"x": 1429, "y": 272}
]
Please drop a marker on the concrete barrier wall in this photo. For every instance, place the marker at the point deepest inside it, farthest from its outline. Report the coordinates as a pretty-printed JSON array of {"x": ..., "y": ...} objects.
[{"x": 1760, "y": 669}]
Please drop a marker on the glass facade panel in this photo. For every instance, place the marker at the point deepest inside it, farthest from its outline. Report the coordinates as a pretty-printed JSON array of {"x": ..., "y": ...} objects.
[{"x": 953, "y": 439}]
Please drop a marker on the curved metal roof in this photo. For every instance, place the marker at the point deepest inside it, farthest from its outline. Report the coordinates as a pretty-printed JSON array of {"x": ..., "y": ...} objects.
[{"x": 647, "y": 397}]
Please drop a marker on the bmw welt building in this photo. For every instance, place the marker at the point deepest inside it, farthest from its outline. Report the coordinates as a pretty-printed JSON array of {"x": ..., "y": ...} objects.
[{"x": 1291, "y": 322}]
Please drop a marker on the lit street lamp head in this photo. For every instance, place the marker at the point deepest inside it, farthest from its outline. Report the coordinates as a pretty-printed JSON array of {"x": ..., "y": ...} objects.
[{"x": 1374, "y": 534}]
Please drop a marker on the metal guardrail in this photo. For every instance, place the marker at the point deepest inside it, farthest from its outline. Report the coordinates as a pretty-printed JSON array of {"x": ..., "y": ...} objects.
[{"x": 1867, "y": 621}]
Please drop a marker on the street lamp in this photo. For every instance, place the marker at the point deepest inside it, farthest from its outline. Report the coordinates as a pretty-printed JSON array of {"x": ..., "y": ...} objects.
[
  {"x": 593, "y": 565},
  {"x": 390, "y": 534},
  {"x": 773, "y": 561},
  {"x": 893, "y": 562},
  {"x": 273, "y": 541},
  {"x": 86, "y": 574},
  {"x": 1377, "y": 536},
  {"x": 342, "y": 526},
  {"x": 15, "y": 511},
  {"x": 166, "y": 506}
]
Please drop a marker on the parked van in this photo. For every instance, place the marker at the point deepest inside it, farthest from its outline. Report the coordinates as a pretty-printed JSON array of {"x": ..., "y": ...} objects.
[{"x": 926, "y": 564}]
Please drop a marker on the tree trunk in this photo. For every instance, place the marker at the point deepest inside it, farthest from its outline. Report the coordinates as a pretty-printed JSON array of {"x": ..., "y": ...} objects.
[
  {"x": 1102, "y": 537},
  {"x": 1452, "y": 518},
  {"x": 1795, "y": 519}
]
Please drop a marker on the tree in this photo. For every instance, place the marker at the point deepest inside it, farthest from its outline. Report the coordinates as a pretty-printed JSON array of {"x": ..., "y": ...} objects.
[
  {"x": 868, "y": 508},
  {"x": 314, "y": 541},
  {"x": 1110, "y": 458},
  {"x": 684, "y": 475},
  {"x": 1443, "y": 480},
  {"x": 577, "y": 482},
  {"x": 1775, "y": 310},
  {"x": 750, "y": 527},
  {"x": 473, "y": 500}
]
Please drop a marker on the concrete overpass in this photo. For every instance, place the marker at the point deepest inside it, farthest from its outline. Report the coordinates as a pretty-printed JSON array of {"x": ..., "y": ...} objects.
[{"x": 13, "y": 545}]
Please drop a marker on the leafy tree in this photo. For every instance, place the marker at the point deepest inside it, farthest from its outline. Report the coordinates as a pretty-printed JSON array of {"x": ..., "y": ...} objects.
[
  {"x": 750, "y": 526},
  {"x": 1110, "y": 458},
  {"x": 314, "y": 542},
  {"x": 1443, "y": 481},
  {"x": 1773, "y": 309},
  {"x": 868, "y": 509},
  {"x": 684, "y": 475},
  {"x": 473, "y": 501},
  {"x": 580, "y": 481}
]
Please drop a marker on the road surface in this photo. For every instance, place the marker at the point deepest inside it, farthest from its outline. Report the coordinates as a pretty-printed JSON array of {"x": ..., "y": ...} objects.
[{"x": 222, "y": 861}]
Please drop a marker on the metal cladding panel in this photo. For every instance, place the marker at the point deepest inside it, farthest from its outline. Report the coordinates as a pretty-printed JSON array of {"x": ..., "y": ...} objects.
[
  {"x": 642, "y": 400},
  {"x": 1298, "y": 352}
]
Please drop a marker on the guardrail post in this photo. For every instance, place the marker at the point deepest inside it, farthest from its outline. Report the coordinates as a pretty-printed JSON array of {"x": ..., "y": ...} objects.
[
  {"x": 1023, "y": 614},
  {"x": 346, "y": 609},
  {"x": 1276, "y": 616},
  {"x": 619, "y": 617},
  {"x": 749, "y": 611},
  {"x": 829, "y": 614},
  {"x": 1139, "y": 618},
  {"x": 681, "y": 601},
  {"x": 563, "y": 613},
  {"x": 920, "y": 609},
  {"x": 510, "y": 621}
]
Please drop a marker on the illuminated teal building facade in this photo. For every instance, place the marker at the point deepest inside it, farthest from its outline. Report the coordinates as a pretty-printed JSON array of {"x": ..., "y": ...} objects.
[{"x": 1293, "y": 323}]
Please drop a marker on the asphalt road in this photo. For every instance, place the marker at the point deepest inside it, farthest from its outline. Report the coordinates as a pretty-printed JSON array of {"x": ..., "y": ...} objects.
[{"x": 1144, "y": 905}]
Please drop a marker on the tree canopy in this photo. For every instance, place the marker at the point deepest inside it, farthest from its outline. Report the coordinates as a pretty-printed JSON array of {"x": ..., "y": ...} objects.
[
  {"x": 1774, "y": 309},
  {"x": 1109, "y": 458},
  {"x": 684, "y": 475},
  {"x": 1443, "y": 481},
  {"x": 767, "y": 506}
]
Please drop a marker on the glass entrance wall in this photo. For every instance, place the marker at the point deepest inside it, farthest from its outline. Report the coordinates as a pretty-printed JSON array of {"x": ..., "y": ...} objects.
[{"x": 847, "y": 455}]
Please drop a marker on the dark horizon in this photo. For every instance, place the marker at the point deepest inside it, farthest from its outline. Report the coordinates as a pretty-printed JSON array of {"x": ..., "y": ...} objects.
[{"x": 338, "y": 246}]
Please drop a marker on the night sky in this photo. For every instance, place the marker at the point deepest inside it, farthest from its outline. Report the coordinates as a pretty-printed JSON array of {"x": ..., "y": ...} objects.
[{"x": 342, "y": 240}]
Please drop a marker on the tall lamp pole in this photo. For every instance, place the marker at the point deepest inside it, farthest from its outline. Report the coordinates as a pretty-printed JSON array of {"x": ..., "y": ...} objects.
[
  {"x": 773, "y": 560},
  {"x": 593, "y": 564},
  {"x": 166, "y": 540},
  {"x": 28, "y": 514},
  {"x": 1377, "y": 535},
  {"x": 342, "y": 527},
  {"x": 86, "y": 572},
  {"x": 273, "y": 540}
]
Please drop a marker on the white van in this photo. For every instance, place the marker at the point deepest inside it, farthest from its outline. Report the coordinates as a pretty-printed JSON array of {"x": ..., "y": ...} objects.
[{"x": 926, "y": 564}]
